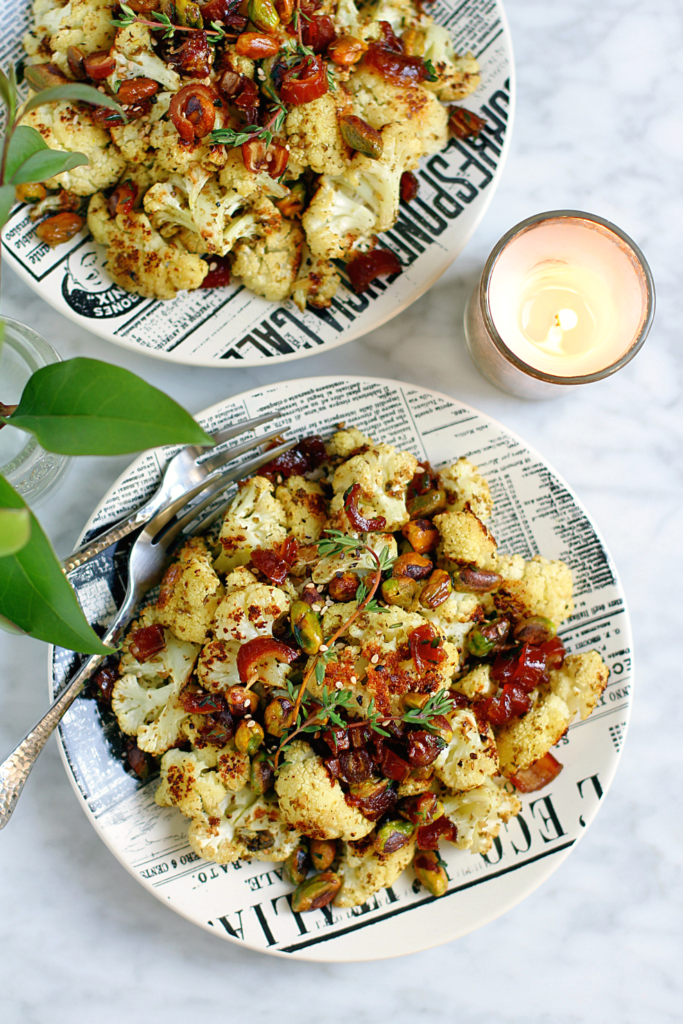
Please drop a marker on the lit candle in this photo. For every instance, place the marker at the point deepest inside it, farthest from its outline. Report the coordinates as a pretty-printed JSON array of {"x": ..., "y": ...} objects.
[{"x": 565, "y": 299}]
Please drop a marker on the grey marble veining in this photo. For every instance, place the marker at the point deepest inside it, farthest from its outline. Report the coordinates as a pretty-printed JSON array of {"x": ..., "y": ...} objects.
[{"x": 598, "y": 128}]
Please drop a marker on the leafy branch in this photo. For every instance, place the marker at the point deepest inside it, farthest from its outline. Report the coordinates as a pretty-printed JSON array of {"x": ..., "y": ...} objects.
[{"x": 231, "y": 137}]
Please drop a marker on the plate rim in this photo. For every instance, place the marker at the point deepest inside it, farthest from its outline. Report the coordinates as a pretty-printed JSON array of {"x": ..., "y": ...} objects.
[{"x": 554, "y": 860}]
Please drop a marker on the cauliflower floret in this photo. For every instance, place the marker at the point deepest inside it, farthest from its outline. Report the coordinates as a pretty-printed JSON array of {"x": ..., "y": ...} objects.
[
  {"x": 175, "y": 661},
  {"x": 70, "y": 128},
  {"x": 269, "y": 263},
  {"x": 189, "y": 594},
  {"x": 454, "y": 618},
  {"x": 471, "y": 755},
  {"x": 465, "y": 540},
  {"x": 580, "y": 682},
  {"x": 478, "y": 814},
  {"x": 331, "y": 565},
  {"x": 537, "y": 587},
  {"x": 346, "y": 17},
  {"x": 381, "y": 103},
  {"x": 255, "y": 519},
  {"x": 458, "y": 76},
  {"x": 82, "y": 23},
  {"x": 398, "y": 13},
  {"x": 173, "y": 156},
  {"x": 365, "y": 872},
  {"x": 317, "y": 282},
  {"x": 313, "y": 134},
  {"x": 153, "y": 714},
  {"x": 313, "y": 802},
  {"x": 346, "y": 210},
  {"x": 191, "y": 784},
  {"x": 477, "y": 684},
  {"x": 525, "y": 740},
  {"x": 138, "y": 258},
  {"x": 466, "y": 489},
  {"x": 265, "y": 833},
  {"x": 250, "y": 612},
  {"x": 347, "y": 442},
  {"x": 383, "y": 475},
  {"x": 135, "y": 58},
  {"x": 217, "y": 667},
  {"x": 206, "y": 213},
  {"x": 305, "y": 507}
]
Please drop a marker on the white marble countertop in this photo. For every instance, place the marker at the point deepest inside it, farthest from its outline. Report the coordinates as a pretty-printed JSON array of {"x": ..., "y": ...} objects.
[{"x": 597, "y": 129}]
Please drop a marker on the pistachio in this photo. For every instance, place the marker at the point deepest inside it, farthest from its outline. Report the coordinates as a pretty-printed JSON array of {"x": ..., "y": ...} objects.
[
  {"x": 430, "y": 872},
  {"x": 476, "y": 581},
  {"x": 361, "y": 136},
  {"x": 241, "y": 701},
  {"x": 424, "y": 505},
  {"x": 285, "y": 8},
  {"x": 188, "y": 13},
  {"x": 261, "y": 776},
  {"x": 535, "y": 630},
  {"x": 343, "y": 586},
  {"x": 294, "y": 204},
  {"x": 421, "y": 809},
  {"x": 416, "y": 567},
  {"x": 306, "y": 627},
  {"x": 399, "y": 591},
  {"x": 263, "y": 14},
  {"x": 422, "y": 535},
  {"x": 279, "y": 716},
  {"x": 44, "y": 76},
  {"x": 249, "y": 736},
  {"x": 298, "y": 863},
  {"x": 316, "y": 892},
  {"x": 323, "y": 852},
  {"x": 441, "y": 727},
  {"x": 488, "y": 638},
  {"x": 393, "y": 835},
  {"x": 438, "y": 589},
  {"x": 415, "y": 700}
]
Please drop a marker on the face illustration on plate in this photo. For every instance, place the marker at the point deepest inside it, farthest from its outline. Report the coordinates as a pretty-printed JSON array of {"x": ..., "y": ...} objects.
[{"x": 89, "y": 290}]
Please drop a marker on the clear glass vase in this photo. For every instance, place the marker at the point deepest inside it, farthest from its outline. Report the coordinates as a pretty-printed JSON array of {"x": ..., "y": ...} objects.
[{"x": 31, "y": 470}]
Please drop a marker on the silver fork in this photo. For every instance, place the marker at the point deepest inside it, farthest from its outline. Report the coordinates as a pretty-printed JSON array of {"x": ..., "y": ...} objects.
[
  {"x": 147, "y": 560},
  {"x": 185, "y": 475}
]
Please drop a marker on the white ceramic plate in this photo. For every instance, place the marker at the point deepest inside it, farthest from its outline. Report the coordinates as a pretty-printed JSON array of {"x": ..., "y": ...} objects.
[
  {"x": 232, "y": 326},
  {"x": 535, "y": 512}
]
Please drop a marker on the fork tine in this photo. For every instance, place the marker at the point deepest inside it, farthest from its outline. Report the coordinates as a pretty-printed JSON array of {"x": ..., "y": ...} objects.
[
  {"x": 242, "y": 427},
  {"x": 213, "y": 462},
  {"x": 221, "y": 483}
]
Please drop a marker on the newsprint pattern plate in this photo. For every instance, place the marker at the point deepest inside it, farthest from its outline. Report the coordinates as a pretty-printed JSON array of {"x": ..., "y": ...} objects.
[
  {"x": 232, "y": 326},
  {"x": 246, "y": 903}
]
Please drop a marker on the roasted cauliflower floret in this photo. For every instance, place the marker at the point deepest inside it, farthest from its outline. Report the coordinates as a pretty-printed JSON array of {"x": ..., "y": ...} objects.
[
  {"x": 537, "y": 587},
  {"x": 317, "y": 282},
  {"x": 383, "y": 475},
  {"x": 269, "y": 263},
  {"x": 138, "y": 258},
  {"x": 471, "y": 755},
  {"x": 329, "y": 565},
  {"x": 454, "y": 618},
  {"x": 381, "y": 103},
  {"x": 174, "y": 662},
  {"x": 580, "y": 682},
  {"x": 212, "y": 218},
  {"x": 458, "y": 76},
  {"x": 135, "y": 58},
  {"x": 347, "y": 209},
  {"x": 346, "y": 442},
  {"x": 466, "y": 489},
  {"x": 313, "y": 135},
  {"x": 86, "y": 24},
  {"x": 525, "y": 740},
  {"x": 250, "y": 612},
  {"x": 305, "y": 507},
  {"x": 465, "y": 540},
  {"x": 255, "y": 519},
  {"x": 478, "y": 814},
  {"x": 173, "y": 156},
  {"x": 313, "y": 802},
  {"x": 217, "y": 667},
  {"x": 265, "y": 833},
  {"x": 190, "y": 592},
  {"x": 364, "y": 872},
  {"x": 190, "y": 782},
  {"x": 66, "y": 127},
  {"x": 477, "y": 684},
  {"x": 153, "y": 714}
]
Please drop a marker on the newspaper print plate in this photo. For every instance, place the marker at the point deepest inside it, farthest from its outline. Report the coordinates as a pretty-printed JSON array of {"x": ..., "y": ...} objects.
[
  {"x": 232, "y": 326},
  {"x": 535, "y": 512}
]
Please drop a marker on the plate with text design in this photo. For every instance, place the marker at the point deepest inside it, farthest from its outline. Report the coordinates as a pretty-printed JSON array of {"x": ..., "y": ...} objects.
[
  {"x": 233, "y": 327},
  {"x": 247, "y": 903}
]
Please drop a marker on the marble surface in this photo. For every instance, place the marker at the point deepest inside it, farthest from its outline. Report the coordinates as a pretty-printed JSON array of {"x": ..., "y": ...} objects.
[{"x": 597, "y": 129}]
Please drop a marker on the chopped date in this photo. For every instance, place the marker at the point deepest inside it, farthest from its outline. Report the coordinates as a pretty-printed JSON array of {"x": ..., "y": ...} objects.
[
  {"x": 337, "y": 740},
  {"x": 510, "y": 703},
  {"x": 192, "y": 57},
  {"x": 137, "y": 759},
  {"x": 423, "y": 747},
  {"x": 426, "y": 647},
  {"x": 409, "y": 186},
  {"x": 219, "y": 273},
  {"x": 216, "y": 730},
  {"x": 394, "y": 766},
  {"x": 355, "y": 765},
  {"x": 364, "y": 268},
  {"x": 463, "y": 123},
  {"x": 305, "y": 456},
  {"x": 373, "y": 799},
  {"x": 271, "y": 565},
  {"x": 104, "y": 681},
  {"x": 354, "y": 515},
  {"x": 398, "y": 68},
  {"x": 146, "y": 642},
  {"x": 428, "y": 836},
  {"x": 529, "y": 667},
  {"x": 538, "y": 775},
  {"x": 199, "y": 702},
  {"x": 420, "y": 809}
]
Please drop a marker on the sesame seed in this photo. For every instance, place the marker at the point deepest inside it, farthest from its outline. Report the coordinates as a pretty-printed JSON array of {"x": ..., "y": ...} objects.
[
  {"x": 309, "y": 586},
  {"x": 374, "y": 659},
  {"x": 251, "y": 725},
  {"x": 247, "y": 716},
  {"x": 324, "y": 647},
  {"x": 353, "y": 679},
  {"x": 317, "y": 607},
  {"x": 420, "y": 469},
  {"x": 213, "y": 266},
  {"x": 100, "y": 88},
  {"x": 339, "y": 686}
]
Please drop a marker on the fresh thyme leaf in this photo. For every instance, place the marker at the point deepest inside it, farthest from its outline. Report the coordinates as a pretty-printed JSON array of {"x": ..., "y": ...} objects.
[
  {"x": 320, "y": 671},
  {"x": 431, "y": 72},
  {"x": 331, "y": 81}
]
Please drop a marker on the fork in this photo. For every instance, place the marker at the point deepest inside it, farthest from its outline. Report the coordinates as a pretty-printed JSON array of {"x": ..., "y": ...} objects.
[
  {"x": 184, "y": 475},
  {"x": 147, "y": 560}
]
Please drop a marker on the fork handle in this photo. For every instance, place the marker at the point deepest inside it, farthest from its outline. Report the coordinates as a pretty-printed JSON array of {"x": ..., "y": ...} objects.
[
  {"x": 15, "y": 769},
  {"x": 83, "y": 554}
]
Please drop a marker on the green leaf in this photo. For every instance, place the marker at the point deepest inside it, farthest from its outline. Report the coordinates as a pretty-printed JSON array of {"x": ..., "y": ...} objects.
[
  {"x": 8, "y": 94},
  {"x": 86, "y": 407},
  {"x": 78, "y": 91},
  {"x": 41, "y": 166},
  {"x": 24, "y": 143},
  {"x": 7, "y": 197},
  {"x": 35, "y": 595},
  {"x": 15, "y": 530}
]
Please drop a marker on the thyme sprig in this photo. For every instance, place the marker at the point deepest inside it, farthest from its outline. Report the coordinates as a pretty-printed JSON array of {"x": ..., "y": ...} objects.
[
  {"x": 231, "y": 137},
  {"x": 162, "y": 23}
]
